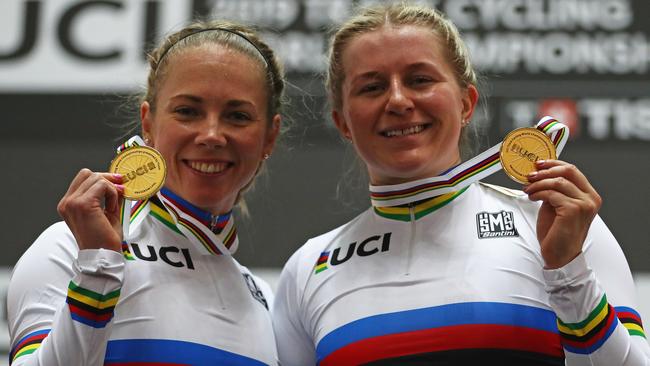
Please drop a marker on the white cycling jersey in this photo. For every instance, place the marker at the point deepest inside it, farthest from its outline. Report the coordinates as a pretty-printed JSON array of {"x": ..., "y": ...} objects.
[
  {"x": 163, "y": 301},
  {"x": 455, "y": 280}
]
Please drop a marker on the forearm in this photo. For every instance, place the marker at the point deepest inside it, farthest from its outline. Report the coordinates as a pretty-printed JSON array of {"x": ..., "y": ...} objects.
[
  {"x": 74, "y": 328},
  {"x": 591, "y": 331}
]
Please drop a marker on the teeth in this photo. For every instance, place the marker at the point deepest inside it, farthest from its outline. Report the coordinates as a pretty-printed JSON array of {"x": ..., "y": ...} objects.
[
  {"x": 404, "y": 132},
  {"x": 208, "y": 167}
]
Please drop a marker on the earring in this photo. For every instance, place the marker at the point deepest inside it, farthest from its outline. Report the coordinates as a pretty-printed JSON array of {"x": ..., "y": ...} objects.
[
  {"x": 147, "y": 141},
  {"x": 464, "y": 123},
  {"x": 266, "y": 156}
]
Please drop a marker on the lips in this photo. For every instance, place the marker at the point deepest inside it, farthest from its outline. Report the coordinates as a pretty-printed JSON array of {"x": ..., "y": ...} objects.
[
  {"x": 412, "y": 130},
  {"x": 208, "y": 167}
]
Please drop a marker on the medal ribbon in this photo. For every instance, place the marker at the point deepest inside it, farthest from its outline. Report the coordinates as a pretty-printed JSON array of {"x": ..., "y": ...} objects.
[
  {"x": 477, "y": 168},
  {"x": 128, "y": 207},
  {"x": 210, "y": 234}
]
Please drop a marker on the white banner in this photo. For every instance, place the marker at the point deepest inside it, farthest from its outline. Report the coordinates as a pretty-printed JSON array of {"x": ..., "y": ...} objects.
[{"x": 63, "y": 45}]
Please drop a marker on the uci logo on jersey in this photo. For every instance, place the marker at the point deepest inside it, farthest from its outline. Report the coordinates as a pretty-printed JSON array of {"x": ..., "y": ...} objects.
[
  {"x": 495, "y": 224},
  {"x": 173, "y": 256},
  {"x": 369, "y": 246}
]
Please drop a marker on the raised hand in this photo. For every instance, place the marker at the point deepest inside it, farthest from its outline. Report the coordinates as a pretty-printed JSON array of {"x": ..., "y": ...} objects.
[
  {"x": 569, "y": 205},
  {"x": 91, "y": 208}
]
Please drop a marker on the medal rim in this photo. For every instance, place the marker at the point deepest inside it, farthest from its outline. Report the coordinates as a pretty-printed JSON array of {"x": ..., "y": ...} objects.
[
  {"x": 122, "y": 155},
  {"x": 511, "y": 136}
]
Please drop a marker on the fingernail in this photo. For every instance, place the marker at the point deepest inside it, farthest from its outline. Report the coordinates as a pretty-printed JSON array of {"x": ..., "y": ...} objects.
[
  {"x": 117, "y": 176},
  {"x": 540, "y": 162},
  {"x": 532, "y": 174},
  {"x": 119, "y": 187}
]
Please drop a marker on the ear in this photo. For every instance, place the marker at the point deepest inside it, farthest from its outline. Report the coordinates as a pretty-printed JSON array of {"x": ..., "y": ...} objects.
[
  {"x": 273, "y": 133},
  {"x": 341, "y": 125},
  {"x": 146, "y": 120},
  {"x": 469, "y": 102}
]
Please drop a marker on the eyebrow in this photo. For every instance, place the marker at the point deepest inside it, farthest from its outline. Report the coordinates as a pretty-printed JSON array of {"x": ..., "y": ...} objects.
[
  {"x": 197, "y": 99},
  {"x": 374, "y": 74},
  {"x": 238, "y": 102},
  {"x": 191, "y": 97},
  {"x": 365, "y": 76}
]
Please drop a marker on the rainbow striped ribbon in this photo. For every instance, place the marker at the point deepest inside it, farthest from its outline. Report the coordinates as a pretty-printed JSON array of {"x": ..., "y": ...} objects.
[
  {"x": 126, "y": 207},
  {"x": 210, "y": 234},
  {"x": 461, "y": 176}
]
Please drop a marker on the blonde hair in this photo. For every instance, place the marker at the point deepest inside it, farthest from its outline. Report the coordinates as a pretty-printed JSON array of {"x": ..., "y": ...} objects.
[
  {"x": 228, "y": 34},
  {"x": 231, "y": 35},
  {"x": 400, "y": 14}
]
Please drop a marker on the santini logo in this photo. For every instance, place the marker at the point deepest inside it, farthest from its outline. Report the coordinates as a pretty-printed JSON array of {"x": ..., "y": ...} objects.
[
  {"x": 367, "y": 247},
  {"x": 495, "y": 224}
]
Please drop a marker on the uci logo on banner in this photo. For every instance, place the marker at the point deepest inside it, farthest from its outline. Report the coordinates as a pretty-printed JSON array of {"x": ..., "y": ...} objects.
[
  {"x": 495, "y": 224},
  {"x": 367, "y": 247}
]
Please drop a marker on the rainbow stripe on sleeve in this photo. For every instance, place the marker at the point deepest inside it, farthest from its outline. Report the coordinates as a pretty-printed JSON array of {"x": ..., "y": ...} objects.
[
  {"x": 590, "y": 334},
  {"x": 28, "y": 344},
  {"x": 91, "y": 308},
  {"x": 631, "y": 320}
]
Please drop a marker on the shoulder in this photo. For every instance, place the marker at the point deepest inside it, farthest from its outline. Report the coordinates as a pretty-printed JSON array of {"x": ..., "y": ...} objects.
[
  {"x": 504, "y": 196},
  {"x": 54, "y": 243},
  {"x": 499, "y": 190},
  {"x": 314, "y": 247},
  {"x": 303, "y": 261}
]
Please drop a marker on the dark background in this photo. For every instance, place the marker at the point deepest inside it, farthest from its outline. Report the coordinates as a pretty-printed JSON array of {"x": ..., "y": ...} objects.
[{"x": 47, "y": 136}]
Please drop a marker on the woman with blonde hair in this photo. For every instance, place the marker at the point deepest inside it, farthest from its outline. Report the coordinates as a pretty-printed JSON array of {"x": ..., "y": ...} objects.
[
  {"x": 165, "y": 291},
  {"x": 431, "y": 275}
]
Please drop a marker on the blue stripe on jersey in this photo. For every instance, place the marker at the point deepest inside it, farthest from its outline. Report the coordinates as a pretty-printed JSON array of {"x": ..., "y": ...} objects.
[
  {"x": 435, "y": 317},
  {"x": 172, "y": 352}
]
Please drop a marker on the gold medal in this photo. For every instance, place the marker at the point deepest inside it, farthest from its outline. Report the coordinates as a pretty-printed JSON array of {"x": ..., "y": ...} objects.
[
  {"x": 520, "y": 150},
  {"x": 143, "y": 170}
]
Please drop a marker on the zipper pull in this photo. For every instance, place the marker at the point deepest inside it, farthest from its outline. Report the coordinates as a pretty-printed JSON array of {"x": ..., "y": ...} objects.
[{"x": 213, "y": 221}]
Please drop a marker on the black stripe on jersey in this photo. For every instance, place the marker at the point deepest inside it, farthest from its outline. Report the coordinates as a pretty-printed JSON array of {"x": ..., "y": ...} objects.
[
  {"x": 472, "y": 357},
  {"x": 89, "y": 308},
  {"x": 590, "y": 335},
  {"x": 630, "y": 321}
]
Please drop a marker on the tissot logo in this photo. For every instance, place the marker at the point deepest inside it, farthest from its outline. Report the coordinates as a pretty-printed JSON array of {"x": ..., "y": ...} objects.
[
  {"x": 495, "y": 224},
  {"x": 367, "y": 247}
]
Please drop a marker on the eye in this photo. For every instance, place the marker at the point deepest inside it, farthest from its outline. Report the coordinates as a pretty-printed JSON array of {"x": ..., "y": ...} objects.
[
  {"x": 239, "y": 116},
  {"x": 421, "y": 79},
  {"x": 185, "y": 112},
  {"x": 370, "y": 88}
]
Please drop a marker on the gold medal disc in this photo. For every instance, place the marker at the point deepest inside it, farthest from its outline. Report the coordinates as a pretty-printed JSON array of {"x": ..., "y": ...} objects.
[
  {"x": 143, "y": 170},
  {"x": 520, "y": 150}
]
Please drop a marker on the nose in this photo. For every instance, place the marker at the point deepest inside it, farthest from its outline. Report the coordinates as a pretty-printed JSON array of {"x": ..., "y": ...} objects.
[
  {"x": 399, "y": 101},
  {"x": 211, "y": 133}
]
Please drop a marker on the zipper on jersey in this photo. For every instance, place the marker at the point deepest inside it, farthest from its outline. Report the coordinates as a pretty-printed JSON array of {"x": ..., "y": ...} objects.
[
  {"x": 411, "y": 242},
  {"x": 213, "y": 222}
]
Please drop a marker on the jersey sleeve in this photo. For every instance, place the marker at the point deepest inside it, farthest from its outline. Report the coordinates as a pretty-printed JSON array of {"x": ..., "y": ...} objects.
[
  {"x": 60, "y": 302},
  {"x": 594, "y": 299},
  {"x": 295, "y": 345}
]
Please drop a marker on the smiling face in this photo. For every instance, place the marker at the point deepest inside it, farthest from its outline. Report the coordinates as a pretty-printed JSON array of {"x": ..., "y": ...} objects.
[
  {"x": 210, "y": 123},
  {"x": 402, "y": 105}
]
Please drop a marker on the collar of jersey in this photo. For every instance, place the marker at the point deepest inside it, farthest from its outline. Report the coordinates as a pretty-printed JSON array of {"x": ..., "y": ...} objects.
[
  {"x": 419, "y": 208},
  {"x": 210, "y": 233}
]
